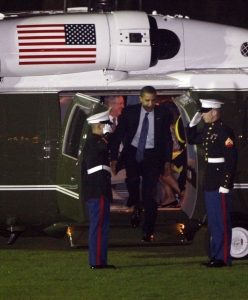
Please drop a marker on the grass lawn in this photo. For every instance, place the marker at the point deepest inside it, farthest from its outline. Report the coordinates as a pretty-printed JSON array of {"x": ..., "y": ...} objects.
[{"x": 47, "y": 268}]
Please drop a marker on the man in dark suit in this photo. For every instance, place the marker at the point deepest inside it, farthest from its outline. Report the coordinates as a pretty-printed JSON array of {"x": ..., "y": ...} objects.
[{"x": 154, "y": 161}]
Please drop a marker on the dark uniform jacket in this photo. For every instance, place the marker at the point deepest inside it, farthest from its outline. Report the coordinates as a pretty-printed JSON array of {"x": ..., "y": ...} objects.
[
  {"x": 219, "y": 142},
  {"x": 128, "y": 124},
  {"x": 96, "y": 153}
]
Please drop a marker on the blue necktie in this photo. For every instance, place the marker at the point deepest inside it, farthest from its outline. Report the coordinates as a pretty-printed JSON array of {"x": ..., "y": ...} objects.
[{"x": 142, "y": 139}]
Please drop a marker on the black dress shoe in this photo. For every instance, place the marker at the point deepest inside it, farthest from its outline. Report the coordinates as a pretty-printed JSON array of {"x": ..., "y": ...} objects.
[
  {"x": 103, "y": 267},
  {"x": 148, "y": 238},
  {"x": 207, "y": 263},
  {"x": 217, "y": 264},
  {"x": 135, "y": 218}
]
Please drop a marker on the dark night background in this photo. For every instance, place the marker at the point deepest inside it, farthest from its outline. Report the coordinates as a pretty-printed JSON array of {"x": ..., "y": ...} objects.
[{"x": 231, "y": 12}]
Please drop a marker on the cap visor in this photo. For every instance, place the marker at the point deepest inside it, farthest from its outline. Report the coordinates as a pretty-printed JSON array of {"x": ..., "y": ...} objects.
[
  {"x": 205, "y": 109},
  {"x": 106, "y": 122}
]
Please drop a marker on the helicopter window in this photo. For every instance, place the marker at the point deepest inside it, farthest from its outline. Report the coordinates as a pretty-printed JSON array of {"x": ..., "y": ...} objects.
[
  {"x": 65, "y": 100},
  {"x": 72, "y": 141},
  {"x": 169, "y": 44},
  {"x": 29, "y": 128},
  {"x": 165, "y": 43}
]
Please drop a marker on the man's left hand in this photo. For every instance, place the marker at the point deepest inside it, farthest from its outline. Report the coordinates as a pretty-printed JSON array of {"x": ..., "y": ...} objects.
[{"x": 223, "y": 190}]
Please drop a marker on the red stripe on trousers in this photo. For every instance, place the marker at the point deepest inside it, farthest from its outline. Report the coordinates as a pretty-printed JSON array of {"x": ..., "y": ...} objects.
[
  {"x": 223, "y": 202},
  {"x": 99, "y": 233}
]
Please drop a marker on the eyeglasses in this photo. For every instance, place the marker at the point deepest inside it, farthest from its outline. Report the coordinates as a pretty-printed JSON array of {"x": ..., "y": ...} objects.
[{"x": 119, "y": 103}]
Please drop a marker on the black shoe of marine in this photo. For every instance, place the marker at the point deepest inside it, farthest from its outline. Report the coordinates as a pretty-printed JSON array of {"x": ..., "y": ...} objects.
[
  {"x": 207, "y": 263},
  {"x": 217, "y": 264},
  {"x": 103, "y": 267}
]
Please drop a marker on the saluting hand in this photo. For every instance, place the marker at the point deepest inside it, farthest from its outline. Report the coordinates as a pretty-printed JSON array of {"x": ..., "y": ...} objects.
[{"x": 196, "y": 119}]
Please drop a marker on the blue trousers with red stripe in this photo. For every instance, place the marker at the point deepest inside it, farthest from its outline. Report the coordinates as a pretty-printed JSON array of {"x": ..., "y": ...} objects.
[
  {"x": 99, "y": 211},
  {"x": 218, "y": 207}
]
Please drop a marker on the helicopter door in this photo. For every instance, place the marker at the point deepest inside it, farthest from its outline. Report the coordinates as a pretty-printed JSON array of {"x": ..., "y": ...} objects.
[
  {"x": 193, "y": 204},
  {"x": 74, "y": 133}
]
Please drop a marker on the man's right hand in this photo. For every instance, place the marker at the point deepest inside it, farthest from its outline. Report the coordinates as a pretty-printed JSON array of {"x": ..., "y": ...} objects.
[{"x": 113, "y": 166}]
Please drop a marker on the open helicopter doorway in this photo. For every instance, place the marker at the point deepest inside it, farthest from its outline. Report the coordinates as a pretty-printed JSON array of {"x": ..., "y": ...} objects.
[{"x": 177, "y": 193}]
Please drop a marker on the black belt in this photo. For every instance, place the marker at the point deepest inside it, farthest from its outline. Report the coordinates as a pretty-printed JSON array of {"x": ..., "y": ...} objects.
[{"x": 150, "y": 150}]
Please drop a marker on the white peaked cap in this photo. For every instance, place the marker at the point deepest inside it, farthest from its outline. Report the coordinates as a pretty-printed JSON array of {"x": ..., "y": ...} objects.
[
  {"x": 102, "y": 117},
  {"x": 210, "y": 103}
]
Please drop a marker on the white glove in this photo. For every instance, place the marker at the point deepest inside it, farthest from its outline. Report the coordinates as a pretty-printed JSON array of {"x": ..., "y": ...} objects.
[
  {"x": 107, "y": 129},
  {"x": 223, "y": 190},
  {"x": 196, "y": 119}
]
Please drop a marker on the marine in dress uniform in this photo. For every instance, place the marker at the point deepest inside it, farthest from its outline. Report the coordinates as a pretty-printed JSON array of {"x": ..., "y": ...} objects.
[
  {"x": 220, "y": 165},
  {"x": 96, "y": 190}
]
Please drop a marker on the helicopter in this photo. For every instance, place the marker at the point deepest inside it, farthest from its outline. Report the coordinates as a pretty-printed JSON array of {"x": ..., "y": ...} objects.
[{"x": 56, "y": 66}]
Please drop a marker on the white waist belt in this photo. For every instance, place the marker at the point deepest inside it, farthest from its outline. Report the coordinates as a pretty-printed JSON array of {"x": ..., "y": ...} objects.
[
  {"x": 98, "y": 168},
  {"x": 216, "y": 160}
]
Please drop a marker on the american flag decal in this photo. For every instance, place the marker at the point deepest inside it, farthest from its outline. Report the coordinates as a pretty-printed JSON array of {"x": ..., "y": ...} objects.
[{"x": 56, "y": 44}]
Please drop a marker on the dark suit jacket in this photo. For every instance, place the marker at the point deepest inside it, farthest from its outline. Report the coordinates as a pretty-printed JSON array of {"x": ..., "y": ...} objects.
[{"x": 128, "y": 124}]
